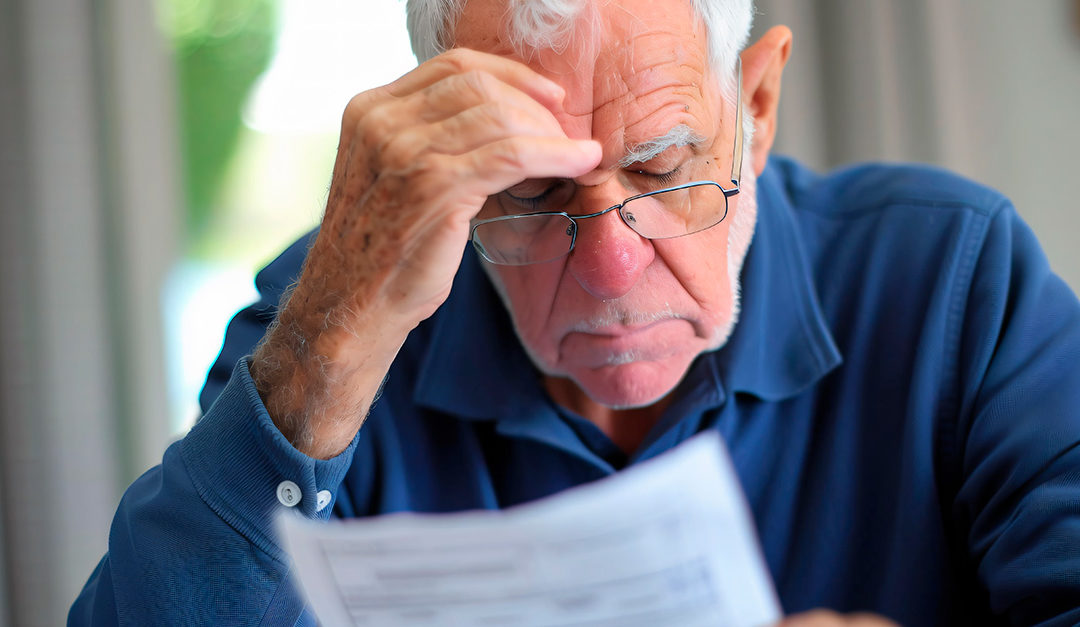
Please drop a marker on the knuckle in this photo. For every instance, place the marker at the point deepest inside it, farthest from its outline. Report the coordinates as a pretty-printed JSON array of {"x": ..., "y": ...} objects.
[
  {"x": 480, "y": 83},
  {"x": 512, "y": 119},
  {"x": 430, "y": 166},
  {"x": 372, "y": 125},
  {"x": 488, "y": 114},
  {"x": 354, "y": 110},
  {"x": 399, "y": 151},
  {"x": 498, "y": 113},
  {"x": 511, "y": 153},
  {"x": 376, "y": 118},
  {"x": 358, "y": 106},
  {"x": 456, "y": 59}
]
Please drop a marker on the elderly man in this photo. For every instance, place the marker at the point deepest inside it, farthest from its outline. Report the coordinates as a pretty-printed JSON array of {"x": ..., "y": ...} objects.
[{"x": 894, "y": 368}]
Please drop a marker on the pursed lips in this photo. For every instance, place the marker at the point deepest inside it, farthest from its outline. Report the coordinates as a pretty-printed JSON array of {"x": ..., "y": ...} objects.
[
  {"x": 622, "y": 323},
  {"x": 598, "y": 346},
  {"x": 621, "y": 330}
]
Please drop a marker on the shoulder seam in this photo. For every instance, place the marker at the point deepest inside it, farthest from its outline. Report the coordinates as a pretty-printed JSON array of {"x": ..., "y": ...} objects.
[
  {"x": 948, "y": 439},
  {"x": 893, "y": 203}
]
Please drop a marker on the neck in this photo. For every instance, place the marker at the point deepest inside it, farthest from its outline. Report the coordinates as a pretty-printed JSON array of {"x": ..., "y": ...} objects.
[{"x": 627, "y": 428}]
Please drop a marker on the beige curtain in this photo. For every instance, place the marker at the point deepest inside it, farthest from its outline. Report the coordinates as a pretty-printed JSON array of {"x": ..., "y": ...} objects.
[{"x": 86, "y": 229}]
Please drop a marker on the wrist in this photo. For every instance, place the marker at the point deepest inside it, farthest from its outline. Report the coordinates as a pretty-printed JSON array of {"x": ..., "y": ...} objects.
[{"x": 318, "y": 375}]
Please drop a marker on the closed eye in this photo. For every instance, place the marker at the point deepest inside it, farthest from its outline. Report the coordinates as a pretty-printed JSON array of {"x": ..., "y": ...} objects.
[
  {"x": 537, "y": 195},
  {"x": 531, "y": 203},
  {"x": 662, "y": 178}
]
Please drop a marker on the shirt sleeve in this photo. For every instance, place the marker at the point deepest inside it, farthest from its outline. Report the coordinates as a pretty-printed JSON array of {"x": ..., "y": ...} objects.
[
  {"x": 193, "y": 539},
  {"x": 1018, "y": 441}
]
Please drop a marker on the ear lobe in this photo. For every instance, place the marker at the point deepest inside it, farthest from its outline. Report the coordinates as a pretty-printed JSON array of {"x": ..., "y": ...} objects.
[{"x": 763, "y": 65}]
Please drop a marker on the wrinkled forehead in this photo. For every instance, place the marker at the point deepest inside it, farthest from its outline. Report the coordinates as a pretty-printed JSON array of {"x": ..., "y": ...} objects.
[{"x": 629, "y": 66}]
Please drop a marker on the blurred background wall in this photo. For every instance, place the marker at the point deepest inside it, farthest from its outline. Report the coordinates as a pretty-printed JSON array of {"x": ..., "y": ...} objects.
[
  {"x": 153, "y": 156},
  {"x": 988, "y": 88}
]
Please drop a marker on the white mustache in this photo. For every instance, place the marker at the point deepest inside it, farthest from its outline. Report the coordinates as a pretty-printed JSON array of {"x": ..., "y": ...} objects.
[{"x": 618, "y": 315}]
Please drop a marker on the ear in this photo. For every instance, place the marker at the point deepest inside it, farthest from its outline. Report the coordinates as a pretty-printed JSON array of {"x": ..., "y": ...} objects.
[{"x": 763, "y": 64}]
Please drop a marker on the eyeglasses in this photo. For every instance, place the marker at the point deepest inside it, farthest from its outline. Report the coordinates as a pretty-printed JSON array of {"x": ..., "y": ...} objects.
[{"x": 538, "y": 236}]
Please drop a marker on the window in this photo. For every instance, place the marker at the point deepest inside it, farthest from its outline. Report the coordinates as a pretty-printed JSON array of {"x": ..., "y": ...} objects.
[{"x": 261, "y": 86}]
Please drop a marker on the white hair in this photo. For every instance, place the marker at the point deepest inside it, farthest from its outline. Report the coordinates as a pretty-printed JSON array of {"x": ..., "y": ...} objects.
[{"x": 544, "y": 24}]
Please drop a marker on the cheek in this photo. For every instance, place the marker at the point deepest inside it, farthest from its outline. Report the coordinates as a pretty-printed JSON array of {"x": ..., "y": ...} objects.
[
  {"x": 529, "y": 292},
  {"x": 699, "y": 263}
]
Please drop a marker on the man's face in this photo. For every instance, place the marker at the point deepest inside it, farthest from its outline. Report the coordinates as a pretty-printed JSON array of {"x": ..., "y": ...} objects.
[{"x": 623, "y": 316}]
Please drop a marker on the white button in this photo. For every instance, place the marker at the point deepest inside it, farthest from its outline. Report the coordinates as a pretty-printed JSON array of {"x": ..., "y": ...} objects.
[
  {"x": 288, "y": 493},
  {"x": 322, "y": 499}
]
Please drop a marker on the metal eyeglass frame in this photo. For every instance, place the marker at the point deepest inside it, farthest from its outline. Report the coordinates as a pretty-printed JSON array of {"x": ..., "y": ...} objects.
[{"x": 736, "y": 176}]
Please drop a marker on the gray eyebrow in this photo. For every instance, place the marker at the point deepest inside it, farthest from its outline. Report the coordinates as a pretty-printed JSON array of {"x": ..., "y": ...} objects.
[{"x": 679, "y": 135}]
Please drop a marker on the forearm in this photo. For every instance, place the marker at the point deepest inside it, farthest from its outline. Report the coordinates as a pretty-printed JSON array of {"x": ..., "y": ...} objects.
[{"x": 320, "y": 367}]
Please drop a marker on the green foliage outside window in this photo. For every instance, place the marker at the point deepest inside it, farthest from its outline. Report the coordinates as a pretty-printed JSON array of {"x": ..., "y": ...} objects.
[{"x": 220, "y": 49}]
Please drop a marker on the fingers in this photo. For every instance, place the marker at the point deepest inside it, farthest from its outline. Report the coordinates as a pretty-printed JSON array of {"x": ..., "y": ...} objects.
[
  {"x": 452, "y": 82},
  {"x": 464, "y": 100},
  {"x": 504, "y": 163},
  {"x": 417, "y": 160},
  {"x": 455, "y": 115},
  {"x": 461, "y": 60},
  {"x": 442, "y": 184},
  {"x": 471, "y": 154},
  {"x": 475, "y": 127},
  {"x": 456, "y": 93}
]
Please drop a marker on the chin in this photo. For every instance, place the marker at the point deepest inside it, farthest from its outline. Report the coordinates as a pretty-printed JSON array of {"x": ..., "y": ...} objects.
[
  {"x": 637, "y": 377},
  {"x": 631, "y": 385}
]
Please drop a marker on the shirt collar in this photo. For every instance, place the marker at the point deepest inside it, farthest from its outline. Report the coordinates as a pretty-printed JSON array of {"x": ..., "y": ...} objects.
[
  {"x": 781, "y": 344},
  {"x": 475, "y": 368}
]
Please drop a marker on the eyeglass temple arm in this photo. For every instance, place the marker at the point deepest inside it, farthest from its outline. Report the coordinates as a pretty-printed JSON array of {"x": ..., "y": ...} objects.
[{"x": 736, "y": 159}]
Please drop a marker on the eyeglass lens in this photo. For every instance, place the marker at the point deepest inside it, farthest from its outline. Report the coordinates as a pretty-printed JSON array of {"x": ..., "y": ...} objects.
[{"x": 527, "y": 239}]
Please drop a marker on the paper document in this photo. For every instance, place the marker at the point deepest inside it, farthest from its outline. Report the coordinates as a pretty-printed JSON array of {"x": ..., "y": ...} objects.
[{"x": 667, "y": 542}]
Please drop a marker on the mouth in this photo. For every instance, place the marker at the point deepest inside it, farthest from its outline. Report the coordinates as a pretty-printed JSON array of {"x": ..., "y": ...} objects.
[
  {"x": 623, "y": 324},
  {"x": 622, "y": 330},
  {"x": 620, "y": 344}
]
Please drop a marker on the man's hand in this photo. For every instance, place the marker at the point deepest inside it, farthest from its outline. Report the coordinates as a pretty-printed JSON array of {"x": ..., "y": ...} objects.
[
  {"x": 826, "y": 618},
  {"x": 416, "y": 161}
]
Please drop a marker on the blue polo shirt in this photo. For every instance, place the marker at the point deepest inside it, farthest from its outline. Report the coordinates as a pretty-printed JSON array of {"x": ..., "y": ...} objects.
[{"x": 900, "y": 397}]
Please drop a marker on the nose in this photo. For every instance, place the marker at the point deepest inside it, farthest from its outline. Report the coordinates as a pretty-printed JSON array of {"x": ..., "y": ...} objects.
[{"x": 608, "y": 257}]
